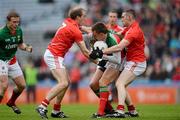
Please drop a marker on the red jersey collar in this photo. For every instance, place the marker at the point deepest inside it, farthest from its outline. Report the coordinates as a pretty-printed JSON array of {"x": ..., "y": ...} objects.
[
  {"x": 72, "y": 21},
  {"x": 133, "y": 24}
]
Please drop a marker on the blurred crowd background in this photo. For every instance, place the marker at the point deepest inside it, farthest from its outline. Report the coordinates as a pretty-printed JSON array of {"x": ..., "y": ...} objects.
[{"x": 159, "y": 19}]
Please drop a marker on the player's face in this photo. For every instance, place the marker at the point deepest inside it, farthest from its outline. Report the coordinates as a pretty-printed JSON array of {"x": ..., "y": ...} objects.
[
  {"x": 82, "y": 18},
  {"x": 112, "y": 18},
  {"x": 99, "y": 36},
  {"x": 125, "y": 19},
  {"x": 13, "y": 23}
]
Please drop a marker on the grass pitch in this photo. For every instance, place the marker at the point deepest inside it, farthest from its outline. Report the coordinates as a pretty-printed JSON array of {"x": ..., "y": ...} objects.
[{"x": 84, "y": 112}]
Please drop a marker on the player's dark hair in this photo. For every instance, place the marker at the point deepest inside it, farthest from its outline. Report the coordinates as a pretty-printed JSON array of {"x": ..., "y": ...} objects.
[
  {"x": 12, "y": 14},
  {"x": 100, "y": 27},
  {"x": 131, "y": 12},
  {"x": 74, "y": 13}
]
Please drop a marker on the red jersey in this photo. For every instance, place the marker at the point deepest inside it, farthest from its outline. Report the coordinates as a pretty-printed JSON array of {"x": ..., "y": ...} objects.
[
  {"x": 135, "y": 50},
  {"x": 65, "y": 37},
  {"x": 116, "y": 28}
]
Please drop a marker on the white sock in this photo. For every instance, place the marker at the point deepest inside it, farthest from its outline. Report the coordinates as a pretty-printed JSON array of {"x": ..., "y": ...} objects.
[
  {"x": 55, "y": 111},
  {"x": 120, "y": 111},
  {"x": 42, "y": 106}
]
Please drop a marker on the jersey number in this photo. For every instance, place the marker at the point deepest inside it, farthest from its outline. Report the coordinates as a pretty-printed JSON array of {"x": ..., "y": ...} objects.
[{"x": 63, "y": 26}]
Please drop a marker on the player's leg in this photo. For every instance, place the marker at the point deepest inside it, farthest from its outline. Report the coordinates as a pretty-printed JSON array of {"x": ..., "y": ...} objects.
[
  {"x": 131, "y": 108},
  {"x": 3, "y": 85},
  {"x": 56, "y": 65},
  {"x": 129, "y": 73},
  {"x": 63, "y": 83},
  {"x": 16, "y": 74},
  {"x": 94, "y": 83},
  {"x": 3, "y": 78},
  {"x": 109, "y": 75},
  {"x": 56, "y": 112}
]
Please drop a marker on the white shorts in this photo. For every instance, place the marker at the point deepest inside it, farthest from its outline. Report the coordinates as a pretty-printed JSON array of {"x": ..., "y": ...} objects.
[
  {"x": 12, "y": 71},
  {"x": 53, "y": 62},
  {"x": 116, "y": 66},
  {"x": 136, "y": 67}
]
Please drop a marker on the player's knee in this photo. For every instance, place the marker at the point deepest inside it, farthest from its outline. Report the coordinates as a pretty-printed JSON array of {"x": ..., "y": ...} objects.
[
  {"x": 4, "y": 85},
  {"x": 65, "y": 84},
  {"x": 94, "y": 85},
  {"x": 4, "y": 88},
  {"x": 119, "y": 84},
  {"x": 91, "y": 85},
  {"x": 22, "y": 86}
]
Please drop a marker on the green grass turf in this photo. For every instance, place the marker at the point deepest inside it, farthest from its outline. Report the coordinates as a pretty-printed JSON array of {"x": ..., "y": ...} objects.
[{"x": 84, "y": 112}]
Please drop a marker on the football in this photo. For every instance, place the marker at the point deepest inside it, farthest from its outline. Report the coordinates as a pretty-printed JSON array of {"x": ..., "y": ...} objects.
[{"x": 100, "y": 44}]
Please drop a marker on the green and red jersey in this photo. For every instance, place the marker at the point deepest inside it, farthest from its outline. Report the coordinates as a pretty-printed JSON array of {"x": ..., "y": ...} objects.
[{"x": 9, "y": 42}]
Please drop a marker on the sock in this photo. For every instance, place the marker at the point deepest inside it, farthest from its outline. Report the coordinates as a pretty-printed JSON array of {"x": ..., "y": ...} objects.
[
  {"x": 131, "y": 107},
  {"x": 120, "y": 107},
  {"x": 44, "y": 103},
  {"x": 56, "y": 108},
  {"x": 13, "y": 98},
  {"x": 103, "y": 99},
  {"x": 1, "y": 97},
  {"x": 109, "y": 106}
]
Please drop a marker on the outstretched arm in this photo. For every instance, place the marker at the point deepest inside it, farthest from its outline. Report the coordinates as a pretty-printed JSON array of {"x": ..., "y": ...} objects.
[
  {"x": 85, "y": 51},
  {"x": 25, "y": 47},
  {"x": 115, "y": 58},
  {"x": 117, "y": 48}
]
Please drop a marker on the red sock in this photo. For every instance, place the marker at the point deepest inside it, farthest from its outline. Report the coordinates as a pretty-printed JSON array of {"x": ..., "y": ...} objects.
[
  {"x": 1, "y": 97},
  {"x": 13, "y": 98},
  {"x": 103, "y": 102},
  {"x": 131, "y": 107},
  {"x": 109, "y": 106},
  {"x": 120, "y": 107},
  {"x": 45, "y": 102},
  {"x": 57, "y": 107}
]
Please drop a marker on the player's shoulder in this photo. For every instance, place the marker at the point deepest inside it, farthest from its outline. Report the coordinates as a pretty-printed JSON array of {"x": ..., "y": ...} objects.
[{"x": 2, "y": 30}]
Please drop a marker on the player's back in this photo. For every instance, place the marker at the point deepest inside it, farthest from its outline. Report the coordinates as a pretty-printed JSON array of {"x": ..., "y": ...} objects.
[
  {"x": 65, "y": 36},
  {"x": 135, "y": 50}
]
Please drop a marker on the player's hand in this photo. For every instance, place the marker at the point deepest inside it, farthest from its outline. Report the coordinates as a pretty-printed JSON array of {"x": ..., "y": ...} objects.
[
  {"x": 96, "y": 53},
  {"x": 102, "y": 63},
  {"x": 28, "y": 48}
]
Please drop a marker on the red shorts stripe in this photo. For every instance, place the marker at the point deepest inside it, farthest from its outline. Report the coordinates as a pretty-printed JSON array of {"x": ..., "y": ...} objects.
[
  {"x": 56, "y": 62},
  {"x": 133, "y": 66}
]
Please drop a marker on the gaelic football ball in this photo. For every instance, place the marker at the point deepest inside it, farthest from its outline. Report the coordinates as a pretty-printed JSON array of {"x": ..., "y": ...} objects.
[{"x": 100, "y": 44}]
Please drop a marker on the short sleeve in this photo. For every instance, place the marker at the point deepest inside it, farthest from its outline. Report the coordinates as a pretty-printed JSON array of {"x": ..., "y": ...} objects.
[
  {"x": 130, "y": 36},
  {"x": 78, "y": 36}
]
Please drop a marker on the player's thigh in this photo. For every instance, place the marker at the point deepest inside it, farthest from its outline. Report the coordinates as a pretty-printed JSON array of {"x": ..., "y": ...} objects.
[
  {"x": 16, "y": 74},
  {"x": 53, "y": 62},
  {"x": 131, "y": 70},
  {"x": 3, "y": 73},
  {"x": 57, "y": 67},
  {"x": 109, "y": 75},
  {"x": 96, "y": 77},
  {"x": 125, "y": 78},
  {"x": 15, "y": 71},
  {"x": 61, "y": 75}
]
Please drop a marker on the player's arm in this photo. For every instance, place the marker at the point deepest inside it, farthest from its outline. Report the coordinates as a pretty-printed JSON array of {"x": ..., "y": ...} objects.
[
  {"x": 25, "y": 47},
  {"x": 86, "y": 29},
  {"x": 115, "y": 58},
  {"x": 120, "y": 35},
  {"x": 85, "y": 51},
  {"x": 147, "y": 51},
  {"x": 117, "y": 48}
]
